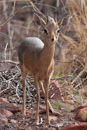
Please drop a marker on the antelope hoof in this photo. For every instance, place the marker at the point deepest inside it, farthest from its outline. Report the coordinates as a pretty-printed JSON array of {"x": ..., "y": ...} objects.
[
  {"x": 50, "y": 110},
  {"x": 48, "y": 122},
  {"x": 37, "y": 122}
]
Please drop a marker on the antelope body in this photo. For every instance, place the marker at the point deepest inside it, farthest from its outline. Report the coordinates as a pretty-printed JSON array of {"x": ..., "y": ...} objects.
[{"x": 37, "y": 58}]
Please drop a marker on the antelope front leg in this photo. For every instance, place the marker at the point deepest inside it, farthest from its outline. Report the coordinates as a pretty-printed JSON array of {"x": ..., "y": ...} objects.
[
  {"x": 43, "y": 91},
  {"x": 46, "y": 85},
  {"x": 24, "y": 98},
  {"x": 37, "y": 98}
]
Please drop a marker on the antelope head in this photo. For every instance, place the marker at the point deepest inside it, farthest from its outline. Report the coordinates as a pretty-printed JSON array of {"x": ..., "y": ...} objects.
[{"x": 50, "y": 27}]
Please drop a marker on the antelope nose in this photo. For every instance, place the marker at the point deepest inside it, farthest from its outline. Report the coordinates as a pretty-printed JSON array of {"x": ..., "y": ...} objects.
[{"x": 52, "y": 40}]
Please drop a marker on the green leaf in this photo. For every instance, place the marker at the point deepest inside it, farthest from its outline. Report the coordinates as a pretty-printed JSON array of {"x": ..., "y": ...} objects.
[
  {"x": 70, "y": 74},
  {"x": 59, "y": 76},
  {"x": 57, "y": 104}
]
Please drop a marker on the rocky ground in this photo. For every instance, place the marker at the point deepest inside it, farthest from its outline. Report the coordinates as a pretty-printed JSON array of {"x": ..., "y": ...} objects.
[{"x": 70, "y": 104}]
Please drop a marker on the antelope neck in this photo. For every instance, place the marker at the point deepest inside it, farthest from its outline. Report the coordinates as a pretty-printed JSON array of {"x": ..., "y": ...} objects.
[{"x": 48, "y": 50}]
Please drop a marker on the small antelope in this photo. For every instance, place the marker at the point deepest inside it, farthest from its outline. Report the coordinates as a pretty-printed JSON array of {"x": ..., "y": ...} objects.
[{"x": 37, "y": 58}]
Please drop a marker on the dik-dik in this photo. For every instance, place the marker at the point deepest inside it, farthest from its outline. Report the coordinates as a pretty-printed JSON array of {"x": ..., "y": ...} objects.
[{"x": 37, "y": 58}]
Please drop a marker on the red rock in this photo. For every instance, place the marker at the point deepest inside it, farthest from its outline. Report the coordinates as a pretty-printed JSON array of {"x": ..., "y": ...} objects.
[
  {"x": 10, "y": 107},
  {"x": 3, "y": 100},
  {"x": 55, "y": 113},
  {"x": 53, "y": 118},
  {"x": 3, "y": 119},
  {"x": 54, "y": 82},
  {"x": 54, "y": 91},
  {"x": 85, "y": 93},
  {"x": 6, "y": 112},
  {"x": 69, "y": 101},
  {"x": 43, "y": 107},
  {"x": 82, "y": 114},
  {"x": 30, "y": 128},
  {"x": 79, "y": 107},
  {"x": 43, "y": 110},
  {"x": 76, "y": 127}
]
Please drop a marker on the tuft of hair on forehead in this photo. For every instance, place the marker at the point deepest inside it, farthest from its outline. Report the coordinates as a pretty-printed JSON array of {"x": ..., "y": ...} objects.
[{"x": 51, "y": 21}]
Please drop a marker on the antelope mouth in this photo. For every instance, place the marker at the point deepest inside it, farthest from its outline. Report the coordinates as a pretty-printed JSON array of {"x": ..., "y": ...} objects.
[{"x": 52, "y": 42}]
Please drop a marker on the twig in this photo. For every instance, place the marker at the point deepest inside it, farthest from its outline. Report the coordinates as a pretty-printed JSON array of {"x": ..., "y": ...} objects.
[
  {"x": 54, "y": 126},
  {"x": 80, "y": 83},
  {"x": 5, "y": 51},
  {"x": 80, "y": 63},
  {"x": 4, "y": 8},
  {"x": 79, "y": 75},
  {"x": 9, "y": 61},
  {"x": 13, "y": 7},
  {"x": 36, "y": 9},
  {"x": 17, "y": 90},
  {"x": 11, "y": 16},
  {"x": 24, "y": 7},
  {"x": 8, "y": 83}
]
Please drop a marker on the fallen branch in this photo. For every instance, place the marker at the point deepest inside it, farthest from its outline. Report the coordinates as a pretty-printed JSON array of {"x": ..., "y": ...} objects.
[
  {"x": 79, "y": 75},
  {"x": 80, "y": 83},
  {"x": 9, "y": 61}
]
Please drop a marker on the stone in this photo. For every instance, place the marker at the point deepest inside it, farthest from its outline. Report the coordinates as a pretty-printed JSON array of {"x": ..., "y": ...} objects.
[
  {"x": 53, "y": 118},
  {"x": 76, "y": 127},
  {"x": 69, "y": 101},
  {"x": 3, "y": 119},
  {"x": 3, "y": 100},
  {"x": 79, "y": 107},
  {"x": 54, "y": 91},
  {"x": 43, "y": 111},
  {"x": 37, "y": 128},
  {"x": 6, "y": 112},
  {"x": 30, "y": 128},
  {"x": 82, "y": 114},
  {"x": 13, "y": 121},
  {"x": 10, "y": 107},
  {"x": 85, "y": 93}
]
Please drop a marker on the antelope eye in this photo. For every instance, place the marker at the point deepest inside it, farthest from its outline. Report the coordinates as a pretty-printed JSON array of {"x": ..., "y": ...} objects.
[
  {"x": 45, "y": 31},
  {"x": 58, "y": 31}
]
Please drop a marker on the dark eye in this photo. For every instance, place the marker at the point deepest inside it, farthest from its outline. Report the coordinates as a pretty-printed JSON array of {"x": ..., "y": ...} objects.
[
  {"x": 58, "y": 31},
  {"x": 45, "y": 31}
]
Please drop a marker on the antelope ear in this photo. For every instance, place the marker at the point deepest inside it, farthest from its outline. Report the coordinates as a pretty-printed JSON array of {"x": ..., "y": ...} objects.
[
  {"x": 39, "y": 20},
  {"x": 60, "y": 22},
  {"x": 64, "y": 21}
]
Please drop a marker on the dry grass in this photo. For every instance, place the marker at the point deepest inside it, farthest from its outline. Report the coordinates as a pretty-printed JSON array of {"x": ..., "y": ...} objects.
[{"x": 75, "y": 37}]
